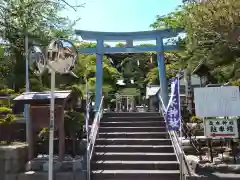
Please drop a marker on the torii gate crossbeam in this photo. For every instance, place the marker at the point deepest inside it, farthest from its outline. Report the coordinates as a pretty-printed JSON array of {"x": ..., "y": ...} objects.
[{"x": 129, "y": 37}]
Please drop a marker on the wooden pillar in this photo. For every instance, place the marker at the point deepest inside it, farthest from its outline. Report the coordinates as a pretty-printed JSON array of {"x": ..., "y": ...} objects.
[
  {"x": 31, "y": 140},
  {"x": 188, "y": 90},
  {"x": 61, "y": 132}
]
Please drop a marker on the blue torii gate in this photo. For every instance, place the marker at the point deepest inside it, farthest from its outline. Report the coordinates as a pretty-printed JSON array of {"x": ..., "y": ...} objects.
[{"x": 129, "y": 37}]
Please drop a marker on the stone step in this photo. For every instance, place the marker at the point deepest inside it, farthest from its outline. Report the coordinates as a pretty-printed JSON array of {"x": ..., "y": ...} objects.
[
  {"x": 35, "y": 175},
  {"x": 132, "y": 129},
  {"x": 134, "y": 148},
  {"x": 134, "y": 156},
  {"x": 132, "y": 141},
  {"x": 135, "y": 174},
  {"x": 133, "y": 124},
  {"x": 224, "y": 176},
  {"x": 199, "y": 133},
  {"x": 135, "y": 165},
  {"x": 131, "y": 114},
  {"x": 148, "y": 135},
  {"x": 132, "y": 119}
]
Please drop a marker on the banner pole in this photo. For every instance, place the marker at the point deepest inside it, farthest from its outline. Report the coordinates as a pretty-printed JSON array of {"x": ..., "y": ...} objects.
[{"x": 181, "y": 132}]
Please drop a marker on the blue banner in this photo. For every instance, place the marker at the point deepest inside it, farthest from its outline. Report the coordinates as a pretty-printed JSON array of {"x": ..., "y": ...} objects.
[{"x": 173, "y": 111}]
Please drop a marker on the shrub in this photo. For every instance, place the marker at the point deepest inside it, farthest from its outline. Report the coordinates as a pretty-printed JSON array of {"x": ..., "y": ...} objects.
[
  {"x": 43, "y": 134},
  {"x": 6, "y": 91},
  {"x": 196, "y": 119},
  {"x": 73, "y": 122},
  {"x": 8, "y": 119},
  {"x": 5, "y": 111},
  {"x": 235, "y": 83}
]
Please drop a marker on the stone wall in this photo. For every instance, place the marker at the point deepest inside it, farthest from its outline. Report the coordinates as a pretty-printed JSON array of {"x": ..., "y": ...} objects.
[{"x": 12, "y": 161}]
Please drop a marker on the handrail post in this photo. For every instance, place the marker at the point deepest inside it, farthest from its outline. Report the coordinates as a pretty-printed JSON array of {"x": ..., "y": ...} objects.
[
  {"x": 88, "y": 164},
  {"x": 181, "y": 166}
]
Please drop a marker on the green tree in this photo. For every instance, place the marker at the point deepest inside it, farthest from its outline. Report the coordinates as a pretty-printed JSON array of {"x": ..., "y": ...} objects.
[
  {"x": 39, "y": 19},
  {"x": 86, "y": 68},
  {"x": 212, "y": 31}
]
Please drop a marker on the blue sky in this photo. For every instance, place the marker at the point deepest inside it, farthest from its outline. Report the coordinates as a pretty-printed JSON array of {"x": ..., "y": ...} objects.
[{"x": 119, "y": 15}]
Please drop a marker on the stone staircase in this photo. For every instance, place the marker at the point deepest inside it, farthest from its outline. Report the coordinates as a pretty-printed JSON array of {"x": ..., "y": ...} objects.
[{"x": 134, "y": 146}]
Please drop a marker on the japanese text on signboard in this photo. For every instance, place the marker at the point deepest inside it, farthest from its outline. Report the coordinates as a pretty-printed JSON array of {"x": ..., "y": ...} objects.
[{"x": 221, "y": 128}]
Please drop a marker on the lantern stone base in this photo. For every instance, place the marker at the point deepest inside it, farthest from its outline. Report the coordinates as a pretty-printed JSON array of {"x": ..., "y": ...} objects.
[
  {"x": 67, "y": 169},
  {"x": 12, "y": 160},
  {"x": 14, "y": 165},
  {"x": 68, "y": 164}
]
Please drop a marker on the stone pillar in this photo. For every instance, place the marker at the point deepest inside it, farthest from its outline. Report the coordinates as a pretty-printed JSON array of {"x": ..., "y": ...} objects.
[
  {"x": 162, "y": 71},
  {"x": 99, "y": 73}
]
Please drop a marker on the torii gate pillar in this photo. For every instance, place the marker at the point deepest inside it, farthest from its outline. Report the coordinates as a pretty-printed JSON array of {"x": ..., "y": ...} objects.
[
  {"x": 162, "y": 71},
  {"x": 99, "y": 73}
]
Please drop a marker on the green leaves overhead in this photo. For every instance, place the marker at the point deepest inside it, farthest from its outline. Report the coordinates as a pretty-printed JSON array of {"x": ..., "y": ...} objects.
[
  {"x": 41, "y": 21},
  {"x": 212, "y": 32},
  {"x": 86, "y": 67}
]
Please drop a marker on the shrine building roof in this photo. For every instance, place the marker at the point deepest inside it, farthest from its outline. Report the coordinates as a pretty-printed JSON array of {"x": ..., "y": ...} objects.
[
  {"x": 39, "y": 99},
  {"x": 42, "y": 95}
]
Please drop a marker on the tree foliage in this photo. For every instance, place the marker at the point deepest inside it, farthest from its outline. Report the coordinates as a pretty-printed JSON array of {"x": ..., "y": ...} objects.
[
  {"x": 211, "y": 36},
  {"x": 212, "y": 32},
  {"x": 41, "y": 21}
]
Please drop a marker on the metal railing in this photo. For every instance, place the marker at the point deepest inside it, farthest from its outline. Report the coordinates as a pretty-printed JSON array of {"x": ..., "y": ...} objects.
[
  {"x": 92, "y": 137},
  {"x": 177, "y": 145},
  {"x": 192, "y": 138}
]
